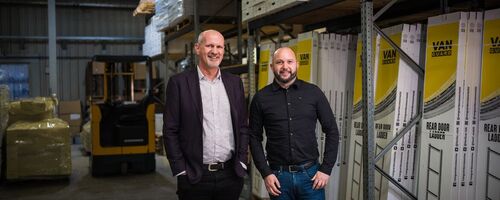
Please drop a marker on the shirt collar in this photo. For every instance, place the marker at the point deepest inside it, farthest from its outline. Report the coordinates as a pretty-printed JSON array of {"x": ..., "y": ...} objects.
[
  {"x": 296, "y": 84},
  {"x": 202, "y": 77}
]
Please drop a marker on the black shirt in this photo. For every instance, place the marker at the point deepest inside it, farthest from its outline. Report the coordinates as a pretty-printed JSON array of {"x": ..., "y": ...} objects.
[{"x": 289, "y": 117}]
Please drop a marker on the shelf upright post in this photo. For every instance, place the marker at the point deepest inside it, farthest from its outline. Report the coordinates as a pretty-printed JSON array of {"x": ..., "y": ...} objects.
[
  {"x": 196, "y": 24},
  {"x": 52, "y": 48},
  {"x": 240, "y": 28},
  {"x": 367, "y": 101},
  {"x": 252, "y": 80}
]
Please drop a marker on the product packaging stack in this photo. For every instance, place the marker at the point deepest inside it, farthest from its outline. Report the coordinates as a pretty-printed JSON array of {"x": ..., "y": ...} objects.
[
  {"x": 37, "y": 145},
  {"x": 448, "y": 150},
  {"x": 488, "y": 144},
  {"x": 336, "y": 63}
]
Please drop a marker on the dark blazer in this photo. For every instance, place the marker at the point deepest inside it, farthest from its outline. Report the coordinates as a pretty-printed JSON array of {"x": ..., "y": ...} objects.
[{"x": 182, "y": 123}]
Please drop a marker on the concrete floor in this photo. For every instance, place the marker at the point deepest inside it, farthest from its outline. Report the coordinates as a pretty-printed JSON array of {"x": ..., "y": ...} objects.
[{"x": 81, "y": 185}]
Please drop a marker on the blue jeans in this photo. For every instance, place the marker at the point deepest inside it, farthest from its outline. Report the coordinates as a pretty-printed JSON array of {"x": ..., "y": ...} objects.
[{"x": 298, "y": 185}]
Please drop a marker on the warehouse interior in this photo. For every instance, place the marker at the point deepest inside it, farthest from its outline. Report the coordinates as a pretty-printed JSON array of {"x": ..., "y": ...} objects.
[{"x": 412, "y": 85}]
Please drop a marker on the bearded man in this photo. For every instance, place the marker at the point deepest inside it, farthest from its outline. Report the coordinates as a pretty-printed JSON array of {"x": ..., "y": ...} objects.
[{"x": 288, "y": 110}]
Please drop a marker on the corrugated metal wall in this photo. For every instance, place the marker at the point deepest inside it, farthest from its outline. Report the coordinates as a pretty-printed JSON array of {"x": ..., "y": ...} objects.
[{"x": 26, "y": 20}]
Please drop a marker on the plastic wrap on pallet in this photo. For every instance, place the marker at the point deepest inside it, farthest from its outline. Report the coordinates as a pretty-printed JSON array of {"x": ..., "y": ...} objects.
[
  {"x": 38, "y": 149},
  {"x": 34, "y": 109},
  {"x": 168, "y": 12},
  {"x": 85, "y": 136},
  {"x": 171, "y": 12}
]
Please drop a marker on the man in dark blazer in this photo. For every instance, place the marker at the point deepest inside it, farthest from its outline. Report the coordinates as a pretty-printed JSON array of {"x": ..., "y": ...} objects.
[{"x": 205, "y": 126}]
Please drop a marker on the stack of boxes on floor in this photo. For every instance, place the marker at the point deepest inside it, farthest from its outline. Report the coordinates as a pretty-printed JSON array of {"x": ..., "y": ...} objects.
[
  {"x": 4, "y": 117},
  {"x": 448, "y": 153},
  {"x": 37, "y": 144},
  {"x": 488, "y": 147},
  {"x": 71, "y": 112}
]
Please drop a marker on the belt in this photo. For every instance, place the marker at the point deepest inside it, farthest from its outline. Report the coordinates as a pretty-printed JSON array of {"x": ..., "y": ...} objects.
[
  {"x": 293, "y": 168},
  {"x": 217, "y": 166}
]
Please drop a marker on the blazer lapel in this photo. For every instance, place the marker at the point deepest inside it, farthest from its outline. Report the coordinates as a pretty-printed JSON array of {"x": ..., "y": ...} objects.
[{"x": 194, "y": 89}]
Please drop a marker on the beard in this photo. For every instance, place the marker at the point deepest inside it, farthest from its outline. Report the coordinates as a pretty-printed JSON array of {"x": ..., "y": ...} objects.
[{"x": 280, "y": 79}]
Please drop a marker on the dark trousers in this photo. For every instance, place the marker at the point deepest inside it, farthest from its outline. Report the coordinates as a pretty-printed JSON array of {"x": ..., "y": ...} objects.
[{"x": 220, "y": 185}]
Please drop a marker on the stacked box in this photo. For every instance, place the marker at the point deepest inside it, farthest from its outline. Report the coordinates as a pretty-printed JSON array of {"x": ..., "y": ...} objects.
[
  {"x": 396, "y": 99},
  {"x": 266, "y": 75},
  {"x": 488, "y": 145},
  {"x": 153, "y": 40},
  {"x": 307, "y": 54},
  {"x": 449, "y": 123},
  {"x": 335, "y": 78},
  {"x": 38, "y": 149},
  {"x": 70, "y": 111}
]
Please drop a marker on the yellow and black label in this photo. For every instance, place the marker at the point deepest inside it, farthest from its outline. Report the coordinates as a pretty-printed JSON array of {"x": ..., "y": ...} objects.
[
  {"x": 263, "y": 67},
  {"x": 490, "y": 85},
  {"x": 387, "y": 70},
  {"x": 441, "y": 59},
  {"x": 304, "y": 49}
]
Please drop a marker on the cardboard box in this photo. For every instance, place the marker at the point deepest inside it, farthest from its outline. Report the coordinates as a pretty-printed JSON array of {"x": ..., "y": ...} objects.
[
  {"x": 98, "y": 68},
  {"x": 74, "y": 130},
  {"x": 72, "y": 119},
  {"x": 140, "y": 71},
  {"x": 70, "y": 107}
]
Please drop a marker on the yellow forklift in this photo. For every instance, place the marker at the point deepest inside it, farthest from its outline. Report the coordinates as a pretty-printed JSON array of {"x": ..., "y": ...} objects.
[{"x": 122, "y": 124}]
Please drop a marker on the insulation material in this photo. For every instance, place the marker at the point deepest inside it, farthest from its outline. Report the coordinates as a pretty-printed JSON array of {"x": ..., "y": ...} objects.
[
  {"x": 335, "y": 78},
  {"x": 488, "y": 147},
  {"x": 307, "y": 54},
  {"x": 354, "y": 173},
  {"x": 266, "y": 75},
  {"x": 86, "y": 137},
  {"x": 34, "y": 109},
  {"x": 448, "y": 139},
  {"x": 38, "y": 149}
]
